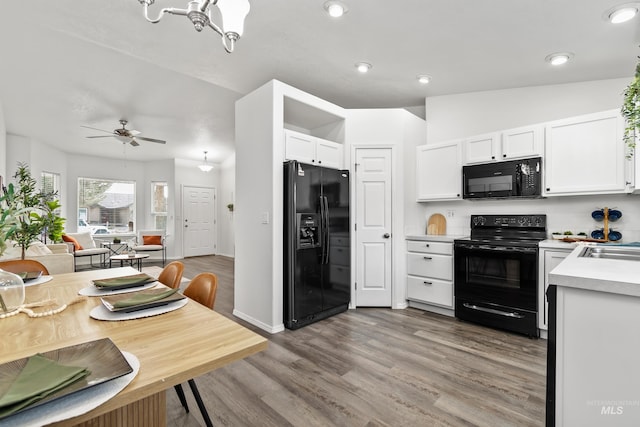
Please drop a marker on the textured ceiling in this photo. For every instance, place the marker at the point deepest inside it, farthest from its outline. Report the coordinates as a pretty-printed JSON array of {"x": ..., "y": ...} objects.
[{"x": 68, "y": 63}]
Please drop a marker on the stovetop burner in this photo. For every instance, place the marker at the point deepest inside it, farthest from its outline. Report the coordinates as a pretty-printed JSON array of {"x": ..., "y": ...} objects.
[{"x": 507, "y": 230}]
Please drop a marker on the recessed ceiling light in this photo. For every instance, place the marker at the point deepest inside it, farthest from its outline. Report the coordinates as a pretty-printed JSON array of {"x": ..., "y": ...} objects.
[
  {"x": 622, "y": 14},
  {"x": 363, "y": 67},
  {"x": 559, "y": 58},
  {"x": 335, "y": 8},
  {"x": 424, "y": 79}
]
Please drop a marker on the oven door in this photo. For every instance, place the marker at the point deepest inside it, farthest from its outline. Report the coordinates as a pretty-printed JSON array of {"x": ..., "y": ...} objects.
[{"x": 497, "y": 286}]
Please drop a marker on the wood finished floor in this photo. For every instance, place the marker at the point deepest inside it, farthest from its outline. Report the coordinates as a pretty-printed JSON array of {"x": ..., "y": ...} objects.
[{"x": 371, "y": 367}]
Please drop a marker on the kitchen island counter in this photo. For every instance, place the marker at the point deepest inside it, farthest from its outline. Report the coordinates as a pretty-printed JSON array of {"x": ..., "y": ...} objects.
[{"x": 597, "y": 274}]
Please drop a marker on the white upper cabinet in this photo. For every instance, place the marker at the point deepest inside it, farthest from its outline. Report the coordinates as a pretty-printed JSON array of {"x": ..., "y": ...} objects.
[
  {"x": 585, "y": 155},
  {"x": 312, "y": 150},
  {"x": 505, "y": 145},
  {"x": 482, "y": 148},
  {"x": 439, "y": 171},
  {"x": 522, "y": 142}
]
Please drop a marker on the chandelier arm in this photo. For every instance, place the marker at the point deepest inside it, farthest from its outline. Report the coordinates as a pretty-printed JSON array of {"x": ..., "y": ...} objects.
[
  {"x": 169, "y": 10},
  {"x": 205, "y": 5},
  {"x": 215, "y": 28},
  {"x": 231, "y": 46}
]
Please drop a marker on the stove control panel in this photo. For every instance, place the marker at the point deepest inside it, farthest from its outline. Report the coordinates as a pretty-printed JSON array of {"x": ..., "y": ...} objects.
[{"x": 509, "y": 221}]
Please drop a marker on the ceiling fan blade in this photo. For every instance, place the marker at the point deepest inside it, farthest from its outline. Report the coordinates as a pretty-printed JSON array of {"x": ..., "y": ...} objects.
[
  {"x": 159, "y": 141},
  {"x": 105, "y": 136},
  {"x": 101, "y": 130},
  {"x": 134, "y": 142}
]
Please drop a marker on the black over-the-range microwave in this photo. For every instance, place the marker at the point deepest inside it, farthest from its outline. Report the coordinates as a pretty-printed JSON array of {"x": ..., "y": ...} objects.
[{"x": 511, "y": 179}]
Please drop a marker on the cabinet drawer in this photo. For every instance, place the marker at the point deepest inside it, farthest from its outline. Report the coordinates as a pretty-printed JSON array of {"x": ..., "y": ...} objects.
[
  {"x": 431, "y": 291},
  {"x": 340, "y": 255},
  {"x": 430, "y": 265},
  {"x": 339, "y": 275},
  {"x": 430, "y": 247}
]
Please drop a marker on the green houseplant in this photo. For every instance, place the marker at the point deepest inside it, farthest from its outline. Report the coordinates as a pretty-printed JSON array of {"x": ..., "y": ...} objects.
[
  {"x": 631, "y": 110},
  {"x": 26, "y": 212}
]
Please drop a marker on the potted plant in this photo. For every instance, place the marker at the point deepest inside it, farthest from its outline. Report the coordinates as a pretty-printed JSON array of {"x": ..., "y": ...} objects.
[
  {"x": 631, "y": 110},
  {"x": 33, "y": 211}
]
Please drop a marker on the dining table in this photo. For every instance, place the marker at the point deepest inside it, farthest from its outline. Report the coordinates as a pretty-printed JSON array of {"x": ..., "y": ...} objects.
[{"x": 171, "y": 348}]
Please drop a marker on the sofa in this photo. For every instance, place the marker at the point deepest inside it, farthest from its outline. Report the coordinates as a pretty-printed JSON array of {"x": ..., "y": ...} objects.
[{"x": 55, "y": 257}]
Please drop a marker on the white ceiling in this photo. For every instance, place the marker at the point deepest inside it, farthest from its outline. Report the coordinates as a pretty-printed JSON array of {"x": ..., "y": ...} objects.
[{"x": 67, "y": 63}]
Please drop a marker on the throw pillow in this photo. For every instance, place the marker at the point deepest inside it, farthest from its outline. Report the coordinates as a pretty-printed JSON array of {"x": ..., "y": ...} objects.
[
  {"x": 152, "y": 240},
  {"x": 85, "y": 240},
  {"x": 38, "y": 248},
  {"x": 70, "y": 239}
]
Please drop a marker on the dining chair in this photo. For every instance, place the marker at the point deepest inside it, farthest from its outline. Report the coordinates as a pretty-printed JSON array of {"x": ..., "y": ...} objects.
[
  {"x": 23, "y": 265},
  {"x": 171, "y": 275},
  {"x": 201, "y": 289}
]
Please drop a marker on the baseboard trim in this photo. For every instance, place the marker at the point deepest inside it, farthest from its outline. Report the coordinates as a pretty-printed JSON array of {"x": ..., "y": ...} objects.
[{"x": 255, "y": 322}]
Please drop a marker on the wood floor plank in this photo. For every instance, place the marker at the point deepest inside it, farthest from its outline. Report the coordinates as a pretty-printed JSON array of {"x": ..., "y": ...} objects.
[{"x": 371, "y": 367}]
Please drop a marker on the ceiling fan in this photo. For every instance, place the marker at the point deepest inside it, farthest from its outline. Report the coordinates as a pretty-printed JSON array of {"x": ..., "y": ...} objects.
[{"x": 125, "y": 135}]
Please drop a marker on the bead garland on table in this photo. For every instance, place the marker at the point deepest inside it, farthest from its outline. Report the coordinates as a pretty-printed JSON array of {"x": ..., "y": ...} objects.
[{"x": 26, "y": 308}]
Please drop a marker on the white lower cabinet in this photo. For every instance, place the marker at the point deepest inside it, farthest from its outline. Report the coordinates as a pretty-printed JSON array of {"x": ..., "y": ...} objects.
[
  {"x": 430, "y": 275},
  {"x": 547, "y": 261}
]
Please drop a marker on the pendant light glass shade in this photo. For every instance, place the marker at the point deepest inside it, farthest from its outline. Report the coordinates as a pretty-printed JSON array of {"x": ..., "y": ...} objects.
[
  {"x": 233, "y": 14},
  {"x": 205, "y": 167}
]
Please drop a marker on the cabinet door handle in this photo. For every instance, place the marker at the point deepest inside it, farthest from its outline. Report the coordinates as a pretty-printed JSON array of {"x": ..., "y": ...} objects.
[
  {"x": 427, "y": 283},
  {"x": 427, "y": 257},
  {"x": 427, "y": 245}
]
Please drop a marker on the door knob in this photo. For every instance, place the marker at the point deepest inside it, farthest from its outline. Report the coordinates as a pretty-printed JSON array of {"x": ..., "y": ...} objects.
[
  {"x": 386, "y": 235},
  {"x": 186, "y": 226}
]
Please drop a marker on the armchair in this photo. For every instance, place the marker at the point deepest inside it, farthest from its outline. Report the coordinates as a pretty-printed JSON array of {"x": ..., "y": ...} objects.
[
  {"x": 151, "y": 241},
  {"x": 82, "y": 244}
]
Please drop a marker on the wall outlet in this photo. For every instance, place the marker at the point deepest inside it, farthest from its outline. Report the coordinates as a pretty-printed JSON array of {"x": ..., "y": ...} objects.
[{"x": 450, "y": 213}]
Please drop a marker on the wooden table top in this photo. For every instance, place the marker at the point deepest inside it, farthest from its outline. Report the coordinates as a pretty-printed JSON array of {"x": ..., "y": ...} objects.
[{"x": 172, "y": 348}]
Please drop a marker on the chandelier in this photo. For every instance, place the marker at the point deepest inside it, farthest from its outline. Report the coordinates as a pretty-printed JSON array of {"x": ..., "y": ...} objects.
[
  {"x": 205, "y": 167},
  {"x": 233, "y": 13}
]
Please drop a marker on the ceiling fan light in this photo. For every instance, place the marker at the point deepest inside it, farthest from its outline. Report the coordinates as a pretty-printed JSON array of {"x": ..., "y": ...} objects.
[{"x": 622, "y": 14}]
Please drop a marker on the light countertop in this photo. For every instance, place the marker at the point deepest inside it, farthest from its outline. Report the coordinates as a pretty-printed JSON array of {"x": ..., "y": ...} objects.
[
  {"x": 435, "y": 237},
  {"x": 597, "y": 274},
  {"x": 557, "y": 244}
]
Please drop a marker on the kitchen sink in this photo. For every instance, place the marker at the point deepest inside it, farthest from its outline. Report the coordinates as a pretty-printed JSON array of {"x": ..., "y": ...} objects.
[{"x": 604, "y": 252}]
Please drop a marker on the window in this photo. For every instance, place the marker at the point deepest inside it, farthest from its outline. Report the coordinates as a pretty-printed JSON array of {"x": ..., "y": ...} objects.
[
  {"x": 50, "y": 183},
  {"x": 106, "y": 206},
  {"x": 159, "y": 192}
]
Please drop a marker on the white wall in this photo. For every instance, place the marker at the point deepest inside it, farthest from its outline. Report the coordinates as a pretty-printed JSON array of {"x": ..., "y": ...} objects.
[
  {"x": 3, "y": 145},
  {"x": 402, "y": 131},
  {"x": 226, "y": 195},
  {"x": 468, "y": 114},
  {"x": 464, "y": 115},
  {"x": 40, "y": 158}
]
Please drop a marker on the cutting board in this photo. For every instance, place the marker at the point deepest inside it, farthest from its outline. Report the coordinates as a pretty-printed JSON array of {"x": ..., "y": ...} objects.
[{"x": 437, "y": 225}]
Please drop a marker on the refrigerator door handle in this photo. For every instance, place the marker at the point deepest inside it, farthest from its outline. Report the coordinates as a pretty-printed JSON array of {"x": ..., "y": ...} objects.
[
  {"x": 326, "y": 229},
  {"x": 323, "y": 231}
]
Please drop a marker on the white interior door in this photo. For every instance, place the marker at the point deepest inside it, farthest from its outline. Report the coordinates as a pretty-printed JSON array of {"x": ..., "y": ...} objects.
[
  {"x": 373, "y": 227},
  {"x": 199, "y": 219}
]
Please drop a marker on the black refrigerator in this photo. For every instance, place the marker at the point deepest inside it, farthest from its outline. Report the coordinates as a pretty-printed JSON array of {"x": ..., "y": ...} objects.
[{"x": 317, "y": 270}]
